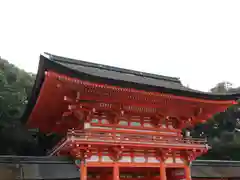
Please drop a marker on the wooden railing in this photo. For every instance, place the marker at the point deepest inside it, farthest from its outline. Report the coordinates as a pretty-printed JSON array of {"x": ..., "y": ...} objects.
[{"x": 132, "y": 138}]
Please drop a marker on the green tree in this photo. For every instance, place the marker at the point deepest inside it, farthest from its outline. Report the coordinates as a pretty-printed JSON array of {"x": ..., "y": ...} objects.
[
  {"x": 222, "y": 130},
  {"x": 15, "y": 84}
]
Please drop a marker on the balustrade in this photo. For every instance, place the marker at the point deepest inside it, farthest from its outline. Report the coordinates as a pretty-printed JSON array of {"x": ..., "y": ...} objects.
[{"x": 123, "y": 138}]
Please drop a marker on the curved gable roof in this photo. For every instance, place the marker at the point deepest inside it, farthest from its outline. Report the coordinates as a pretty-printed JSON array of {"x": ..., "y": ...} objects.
[{"x": 125, "y": 78}]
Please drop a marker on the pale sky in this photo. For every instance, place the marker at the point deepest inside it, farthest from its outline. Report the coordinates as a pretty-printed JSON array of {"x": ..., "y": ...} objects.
[{"x": 198, "y": 41}]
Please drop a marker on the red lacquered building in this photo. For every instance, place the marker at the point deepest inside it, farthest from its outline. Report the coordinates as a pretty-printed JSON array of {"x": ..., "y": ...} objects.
[{"x": 119, "y": 123}]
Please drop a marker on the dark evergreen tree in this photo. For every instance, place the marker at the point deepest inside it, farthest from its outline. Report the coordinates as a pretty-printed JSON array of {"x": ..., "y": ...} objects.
[{"x": 15, "y": 85}]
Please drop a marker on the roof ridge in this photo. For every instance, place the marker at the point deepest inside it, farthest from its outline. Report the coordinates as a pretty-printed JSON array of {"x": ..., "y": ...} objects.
[{"x": 112, "y": 68}]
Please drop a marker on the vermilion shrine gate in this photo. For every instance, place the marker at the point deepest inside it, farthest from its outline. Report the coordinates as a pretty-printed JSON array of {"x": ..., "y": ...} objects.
[{"x": 118, "y": 123}]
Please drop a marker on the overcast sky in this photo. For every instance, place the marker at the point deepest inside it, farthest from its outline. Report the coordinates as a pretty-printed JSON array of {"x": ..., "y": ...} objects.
[{"x": 198, "y": 41}]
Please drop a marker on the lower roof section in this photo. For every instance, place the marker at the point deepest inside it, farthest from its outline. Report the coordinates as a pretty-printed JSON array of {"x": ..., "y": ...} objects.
[{"x": 50, "y": 168}]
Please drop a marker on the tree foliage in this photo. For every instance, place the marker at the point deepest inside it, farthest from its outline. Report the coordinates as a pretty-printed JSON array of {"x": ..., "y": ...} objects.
[
  {"x": 15, "y": 85},
  {"x": 223, "y": 129}
]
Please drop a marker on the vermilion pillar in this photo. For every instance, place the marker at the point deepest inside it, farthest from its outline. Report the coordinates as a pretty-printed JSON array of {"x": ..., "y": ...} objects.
[
  {"x": 83, "y": 171},
  {"x": 163, "y": 175},
  {"x": 115, "y": 172},
  {"x": 187, "y": 173}
]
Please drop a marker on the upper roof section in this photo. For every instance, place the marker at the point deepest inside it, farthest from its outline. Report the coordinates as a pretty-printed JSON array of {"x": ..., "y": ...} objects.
[
  {"x": 121, "y": 77},
  {"x": 112, "y": 75},
  {"x": 116, "y": 73},
  {"x": 120, "y": 85}
]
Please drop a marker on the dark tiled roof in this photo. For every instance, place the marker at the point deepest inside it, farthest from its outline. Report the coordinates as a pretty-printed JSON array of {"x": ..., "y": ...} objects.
[
  {"x": 109, "y": 72},
  {"x": 56, "y": 168},
  {"x": 215, "y": 169},
  {"x": 122, "y": 77},
  {"x": 205, "y": 171}
]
